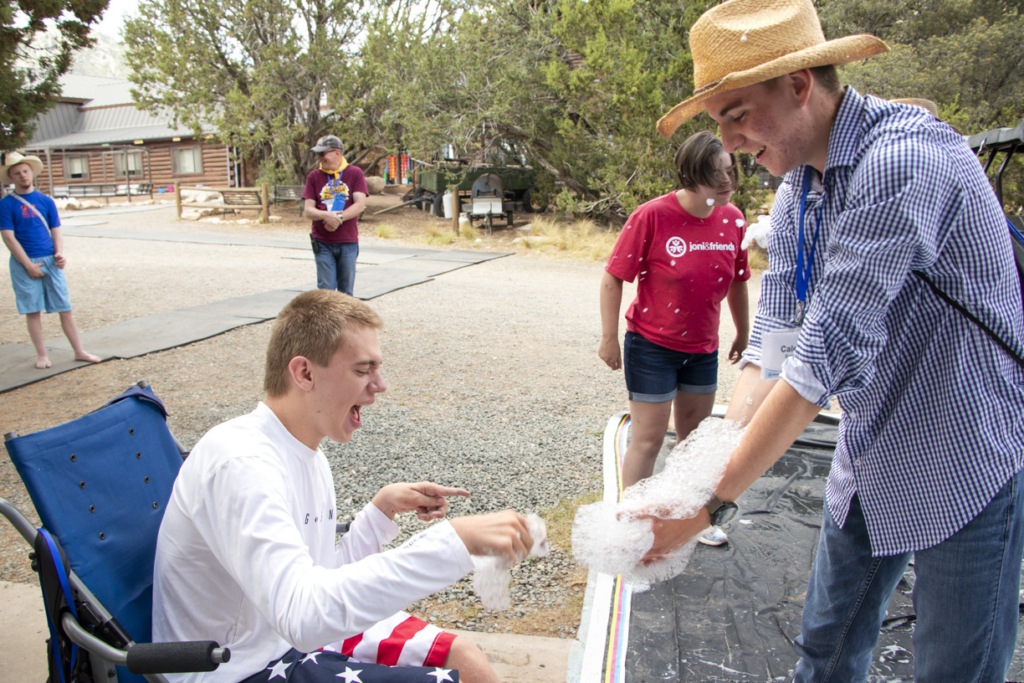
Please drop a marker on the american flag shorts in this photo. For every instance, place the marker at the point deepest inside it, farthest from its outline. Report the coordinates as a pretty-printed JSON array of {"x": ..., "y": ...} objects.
[{"x": 400, "y": 649}]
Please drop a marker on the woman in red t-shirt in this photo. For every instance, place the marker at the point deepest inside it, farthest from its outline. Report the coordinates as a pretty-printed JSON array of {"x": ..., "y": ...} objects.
[{"x": 685, "y": 249}]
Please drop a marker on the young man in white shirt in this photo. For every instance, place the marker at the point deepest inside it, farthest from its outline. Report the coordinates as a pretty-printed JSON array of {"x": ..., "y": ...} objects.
[{"x": 247, "y": 554}]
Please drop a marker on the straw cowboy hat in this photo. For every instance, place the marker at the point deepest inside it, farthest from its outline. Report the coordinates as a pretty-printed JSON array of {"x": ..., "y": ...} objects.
[
  {"x": 932, "y": 108},
  {"x": 743, "y": 42},
  {"x": 15, "y": 158}
]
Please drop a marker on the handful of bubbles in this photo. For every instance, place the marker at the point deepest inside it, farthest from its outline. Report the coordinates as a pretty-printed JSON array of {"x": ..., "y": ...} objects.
[
  {"x": 613, "y": 537},
  {"x": 492, "y": 575}
]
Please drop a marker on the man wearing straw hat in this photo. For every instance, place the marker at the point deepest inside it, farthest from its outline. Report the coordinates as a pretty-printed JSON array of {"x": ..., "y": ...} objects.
[
  {"x": 883, "y": 208},
  {"x": 30, "y": 228}
]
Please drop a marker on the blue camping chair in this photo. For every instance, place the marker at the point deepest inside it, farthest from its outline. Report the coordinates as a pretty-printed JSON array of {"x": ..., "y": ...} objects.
[{"x": 100, "y": 485}]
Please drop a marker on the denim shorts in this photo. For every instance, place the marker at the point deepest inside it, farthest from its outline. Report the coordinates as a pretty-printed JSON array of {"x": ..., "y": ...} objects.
[
  {"x": 655, "y": 374},
  {"x": 49, "y": 292}
]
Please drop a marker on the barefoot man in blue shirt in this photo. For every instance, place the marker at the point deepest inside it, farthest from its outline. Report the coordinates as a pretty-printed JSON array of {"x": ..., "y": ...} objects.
[{"x": 30, "y": 228}]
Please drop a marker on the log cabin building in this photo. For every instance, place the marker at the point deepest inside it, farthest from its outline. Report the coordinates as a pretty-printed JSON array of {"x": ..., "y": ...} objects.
[{"x": 95, "y": 136}]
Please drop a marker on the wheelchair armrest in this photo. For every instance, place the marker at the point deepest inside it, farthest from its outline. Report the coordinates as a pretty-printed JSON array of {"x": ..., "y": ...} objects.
[
  {"x": 176, "y": 658},
  {"x": 150, "y": 658}
]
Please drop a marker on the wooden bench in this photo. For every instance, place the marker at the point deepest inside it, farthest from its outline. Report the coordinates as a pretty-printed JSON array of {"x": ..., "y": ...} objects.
[
  {"x": 235, "y": 199},
  {"x": 290, "y": 193},
  {"x": 104, "y": 190}
]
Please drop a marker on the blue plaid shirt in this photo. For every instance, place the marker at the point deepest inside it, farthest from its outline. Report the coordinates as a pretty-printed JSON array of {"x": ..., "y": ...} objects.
[{"x": 932, "y": 407}]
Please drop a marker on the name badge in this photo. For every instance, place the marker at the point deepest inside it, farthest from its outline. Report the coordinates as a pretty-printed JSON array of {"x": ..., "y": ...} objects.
[{"x": 776, "y": 347}]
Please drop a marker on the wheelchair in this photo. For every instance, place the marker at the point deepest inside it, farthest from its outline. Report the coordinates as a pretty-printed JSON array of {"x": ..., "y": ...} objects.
[{"x": 100, "y": 485}]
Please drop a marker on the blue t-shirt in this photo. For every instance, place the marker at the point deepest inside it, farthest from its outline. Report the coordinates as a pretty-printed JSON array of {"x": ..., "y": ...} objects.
[{"x": 28, "y": 228}]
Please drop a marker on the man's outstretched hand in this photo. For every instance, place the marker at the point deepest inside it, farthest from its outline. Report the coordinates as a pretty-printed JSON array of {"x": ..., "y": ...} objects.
[
  {"x": 672, "y": 534},
  {"x": 498, "y": 534},
  {"x": 426, "y": 498}
]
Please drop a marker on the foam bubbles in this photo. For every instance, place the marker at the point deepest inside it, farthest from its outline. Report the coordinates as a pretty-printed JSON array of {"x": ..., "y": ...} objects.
[
  {"x": 613, "y": 537},
  {"x": 673, "y": 263},
  {"x": 492, "y": 575},
  {"x": 711, "y": 202},
  {"x": 742, "y": 271},
  {"x": 743, "y": 38},
  {"x": 739, "y": 222},
  {"x": 757, "y": 232}
]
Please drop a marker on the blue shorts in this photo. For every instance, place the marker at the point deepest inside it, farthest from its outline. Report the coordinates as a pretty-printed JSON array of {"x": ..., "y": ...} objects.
[
  {"x": 655, "y": 374},
  {"x": 49, "y": 293}
]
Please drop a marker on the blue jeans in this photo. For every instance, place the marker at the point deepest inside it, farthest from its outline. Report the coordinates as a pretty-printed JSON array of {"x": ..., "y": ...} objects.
[
  {"x": 965, "y": 595},
  {"x": 336, "y": 265}
]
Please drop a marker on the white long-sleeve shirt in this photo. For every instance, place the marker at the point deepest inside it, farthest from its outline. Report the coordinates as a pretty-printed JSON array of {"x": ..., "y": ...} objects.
[{"x": 246, "y": 554}]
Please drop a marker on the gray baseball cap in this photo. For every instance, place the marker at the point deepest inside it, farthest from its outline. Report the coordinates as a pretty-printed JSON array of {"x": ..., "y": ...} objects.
[{"x": 327, "y": 142}]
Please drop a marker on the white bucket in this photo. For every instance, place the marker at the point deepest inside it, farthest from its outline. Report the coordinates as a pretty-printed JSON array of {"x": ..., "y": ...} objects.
[{"x": 447, "y": 201}]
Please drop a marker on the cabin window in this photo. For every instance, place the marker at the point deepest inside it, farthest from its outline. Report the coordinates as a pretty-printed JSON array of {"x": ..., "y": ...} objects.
[
  {"x": 76, "y": 167},
  {"x": 127, "y": 163},
  {"x": 187, "y": 160}
]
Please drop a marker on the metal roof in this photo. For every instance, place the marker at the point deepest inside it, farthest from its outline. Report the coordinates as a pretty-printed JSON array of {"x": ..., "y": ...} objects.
[
  {"x": 108, "y": 117},
  {"x": 158, "y": 131},
  {"x": 105, "y": 90},
  {"x": 57, "y": 122},
  {"x": 123, "y": 116}
]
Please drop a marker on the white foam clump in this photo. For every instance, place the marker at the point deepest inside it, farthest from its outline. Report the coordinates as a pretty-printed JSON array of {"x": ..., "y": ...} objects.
[
  {"x": 757, "y": 232},
  {"x": 613, "y": 537},
  {"x": 492, "y": 575},
  {"x": 711, "y": 202}
]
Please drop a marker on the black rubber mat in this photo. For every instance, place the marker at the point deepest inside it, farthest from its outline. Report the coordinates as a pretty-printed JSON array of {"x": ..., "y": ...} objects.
[
  {"x": 733, "y": 614},
  {"x": 380, "y": 270}
]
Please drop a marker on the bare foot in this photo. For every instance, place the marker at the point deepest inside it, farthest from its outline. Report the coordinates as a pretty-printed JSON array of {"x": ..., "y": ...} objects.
[
  {"x": 43, "y": 363},
  {"x": 86, "y": 357}
]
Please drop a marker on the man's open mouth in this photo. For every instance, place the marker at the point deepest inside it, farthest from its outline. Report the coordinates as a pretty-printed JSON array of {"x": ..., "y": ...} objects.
[
  {"x": 757, "y": 156},
  {"x": 353, "y": 413}
]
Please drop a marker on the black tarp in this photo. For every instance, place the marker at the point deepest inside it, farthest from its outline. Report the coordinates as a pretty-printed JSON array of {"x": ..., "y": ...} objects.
[{"x": 733, "y": 613}]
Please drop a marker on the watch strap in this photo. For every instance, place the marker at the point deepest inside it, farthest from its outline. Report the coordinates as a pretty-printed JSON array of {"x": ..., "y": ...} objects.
[{"x": 713, "y": 505}]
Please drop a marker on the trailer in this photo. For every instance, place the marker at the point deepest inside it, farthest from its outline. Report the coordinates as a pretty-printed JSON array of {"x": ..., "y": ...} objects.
[
  {"x": 518, "y": 186},
  {"x": 989, "y": 145}
]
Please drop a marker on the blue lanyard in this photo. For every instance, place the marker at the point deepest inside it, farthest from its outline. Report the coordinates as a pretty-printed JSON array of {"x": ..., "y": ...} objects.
[{"x": 803, "y": 275}]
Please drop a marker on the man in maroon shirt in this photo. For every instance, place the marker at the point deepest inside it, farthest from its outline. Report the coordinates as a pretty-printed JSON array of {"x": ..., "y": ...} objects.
[{"x": 335, "y": 196}]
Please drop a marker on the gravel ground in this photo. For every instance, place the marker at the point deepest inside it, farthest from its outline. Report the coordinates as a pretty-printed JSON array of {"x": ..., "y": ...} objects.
[{"x": 494, "y": 385}]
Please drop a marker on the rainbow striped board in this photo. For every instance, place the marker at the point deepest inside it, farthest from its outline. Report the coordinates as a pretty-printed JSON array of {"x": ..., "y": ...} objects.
[{"x": 600, "y": 655}]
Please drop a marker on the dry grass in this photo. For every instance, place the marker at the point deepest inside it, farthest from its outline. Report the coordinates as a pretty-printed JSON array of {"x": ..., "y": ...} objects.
[
  {"x": 468, "y": 232},
  {"x": 437, "y": 235},
  {"x": 386, "y": 231},
  {"x": 581, "y": 238},
  {"x": 757, "y": 258}
]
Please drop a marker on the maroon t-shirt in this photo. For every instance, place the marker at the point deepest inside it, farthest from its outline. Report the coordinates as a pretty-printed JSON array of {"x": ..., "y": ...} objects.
[
  {"x": 326, "y": 190},
  {"x": 685, "y": 266}
]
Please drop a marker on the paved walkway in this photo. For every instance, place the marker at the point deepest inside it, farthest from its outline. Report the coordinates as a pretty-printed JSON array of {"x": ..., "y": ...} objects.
[{"x": 380, "y": 270}]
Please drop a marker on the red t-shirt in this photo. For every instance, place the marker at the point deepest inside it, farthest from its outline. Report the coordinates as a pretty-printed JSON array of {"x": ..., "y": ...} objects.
[
  {"x": 685, "y": 265},
  {"x": 324, "y": 192}
]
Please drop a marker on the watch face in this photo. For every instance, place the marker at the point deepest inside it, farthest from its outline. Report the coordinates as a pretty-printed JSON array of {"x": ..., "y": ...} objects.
[{"x": 724, "y": 514}]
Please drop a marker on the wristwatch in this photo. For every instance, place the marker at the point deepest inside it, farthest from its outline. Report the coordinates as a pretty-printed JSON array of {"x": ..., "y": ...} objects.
[{"x": 720, "y": 511}]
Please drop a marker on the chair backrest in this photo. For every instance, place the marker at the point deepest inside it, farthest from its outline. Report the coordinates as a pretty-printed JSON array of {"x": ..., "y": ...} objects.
[{"x": 100, "y": 485}]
